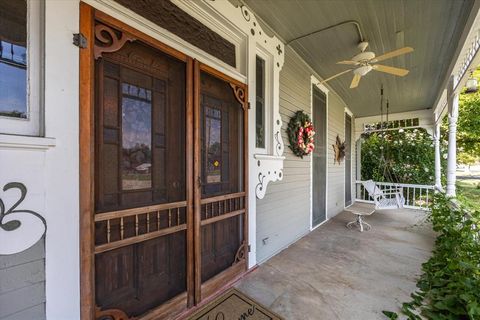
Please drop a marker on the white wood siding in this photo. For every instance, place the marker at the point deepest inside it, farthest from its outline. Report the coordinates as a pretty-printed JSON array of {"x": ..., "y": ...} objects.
[
  {"x": 336, "y": 172},
  {"x": 283, "y": 216},
  {"x": 22, "y": 284}
]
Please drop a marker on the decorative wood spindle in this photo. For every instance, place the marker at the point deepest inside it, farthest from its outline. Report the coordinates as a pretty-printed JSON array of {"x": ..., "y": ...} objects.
[
  {"x": 108, "y": 230},
  {"x": 121, "y": 228},
  {"x": 136, "y": 224}
]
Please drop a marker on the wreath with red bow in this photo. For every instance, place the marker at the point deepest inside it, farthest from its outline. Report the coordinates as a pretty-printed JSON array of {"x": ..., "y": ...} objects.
[{"x": 300, "y": 132}]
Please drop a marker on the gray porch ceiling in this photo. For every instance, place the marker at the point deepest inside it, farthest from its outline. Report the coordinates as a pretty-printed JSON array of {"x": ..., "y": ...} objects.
[{"x": 432, "y": 27}]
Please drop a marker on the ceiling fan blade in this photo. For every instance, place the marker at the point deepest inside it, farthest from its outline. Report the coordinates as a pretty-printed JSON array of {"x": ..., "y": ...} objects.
[
  {"x": 392, "y": 70},
  {"x": 336, "y": 75},
  {"x": 392, "y": 54},
  {"x": 349, "y": 62},
  {"x": 355, "y": 81}
]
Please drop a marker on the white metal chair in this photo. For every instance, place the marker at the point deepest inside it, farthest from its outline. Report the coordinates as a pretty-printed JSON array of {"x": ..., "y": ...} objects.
[{"x": 385, "y": 199}]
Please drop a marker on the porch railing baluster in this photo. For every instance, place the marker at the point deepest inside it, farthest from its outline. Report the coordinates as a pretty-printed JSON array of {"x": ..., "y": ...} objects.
[{"x": 416, "y": 196}]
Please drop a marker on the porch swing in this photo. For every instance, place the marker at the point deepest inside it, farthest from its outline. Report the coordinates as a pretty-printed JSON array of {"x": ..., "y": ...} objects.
[{"x": 393, "y": 197}]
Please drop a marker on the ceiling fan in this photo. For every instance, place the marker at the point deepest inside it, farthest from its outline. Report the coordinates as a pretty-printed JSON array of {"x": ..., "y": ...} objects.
[{"x": 364, "y": 62}]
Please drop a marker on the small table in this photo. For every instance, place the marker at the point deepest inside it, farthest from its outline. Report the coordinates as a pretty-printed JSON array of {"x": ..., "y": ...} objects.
[{"x": 359, "y": 210}]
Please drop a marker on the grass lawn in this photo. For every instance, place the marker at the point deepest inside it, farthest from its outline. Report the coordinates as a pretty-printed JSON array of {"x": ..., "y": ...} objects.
[{"x": 468, "y": 191}]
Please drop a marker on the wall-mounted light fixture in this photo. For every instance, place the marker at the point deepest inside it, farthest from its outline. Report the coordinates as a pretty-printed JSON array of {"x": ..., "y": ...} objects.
[{"x": 472, "y": 84}]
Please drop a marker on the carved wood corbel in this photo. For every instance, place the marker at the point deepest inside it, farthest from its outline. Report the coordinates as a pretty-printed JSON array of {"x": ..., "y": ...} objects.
[
  {"x": 110, "y": 39},
  {"x": 241, "y": 252},
  {"x": 240, "y": 95},
  {"x": 111, "y": 314}
]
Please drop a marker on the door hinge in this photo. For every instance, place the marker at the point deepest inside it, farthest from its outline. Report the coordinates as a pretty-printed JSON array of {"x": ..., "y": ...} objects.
[
  {"x": 249, "y": 248},
  {"x": 249, "y": 106},
  {"x": 80, "y": 41}
]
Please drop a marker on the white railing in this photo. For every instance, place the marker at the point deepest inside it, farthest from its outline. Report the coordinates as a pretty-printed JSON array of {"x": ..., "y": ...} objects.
[{"x": 417, "y": 196}]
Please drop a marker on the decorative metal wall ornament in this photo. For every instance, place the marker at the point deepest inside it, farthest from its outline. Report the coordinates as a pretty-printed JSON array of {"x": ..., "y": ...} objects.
[
  {"x": 338, "y": 150},
  {"x": 112, "y": 40},
  {"x": 19, "y": 228}
]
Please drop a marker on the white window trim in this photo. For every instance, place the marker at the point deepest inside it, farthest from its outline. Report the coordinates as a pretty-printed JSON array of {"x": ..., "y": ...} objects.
[
  {"x": 268, "y": 109},
  {"x": 33, "y": 124},
  {"x": 315, "y": 82}
]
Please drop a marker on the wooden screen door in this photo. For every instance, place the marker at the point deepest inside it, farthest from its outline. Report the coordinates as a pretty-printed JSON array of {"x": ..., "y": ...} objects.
[
  {"x": 348, "y": 160},
  {"x": 319, "y": 170},
  {"x": 170, "y": 176}
]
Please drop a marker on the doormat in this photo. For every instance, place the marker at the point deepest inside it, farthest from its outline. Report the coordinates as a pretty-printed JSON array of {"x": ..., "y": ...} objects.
[{"x": 234, "y": 305}]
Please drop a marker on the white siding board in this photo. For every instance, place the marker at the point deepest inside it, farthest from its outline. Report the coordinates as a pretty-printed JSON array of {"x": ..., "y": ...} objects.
[
  {"x": 34, "y": 313},
  {"x": 283, "y": 216},
  {"x": 22, "y": 284},
  {"x": 21, "y": 276},
  {"x": 336, "y": 172},
  {"x": 21, "y": 299}
]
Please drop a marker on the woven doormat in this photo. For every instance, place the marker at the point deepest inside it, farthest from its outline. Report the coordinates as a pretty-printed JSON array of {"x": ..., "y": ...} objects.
[{"x": 234, "y": 305}]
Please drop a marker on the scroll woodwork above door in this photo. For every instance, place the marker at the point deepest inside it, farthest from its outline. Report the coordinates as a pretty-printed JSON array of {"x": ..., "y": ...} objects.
[{"x": 167, "y": 15}]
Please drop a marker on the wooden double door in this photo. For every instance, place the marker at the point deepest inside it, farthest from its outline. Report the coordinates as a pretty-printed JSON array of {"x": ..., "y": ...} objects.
[{"x": 170, "y": 206}]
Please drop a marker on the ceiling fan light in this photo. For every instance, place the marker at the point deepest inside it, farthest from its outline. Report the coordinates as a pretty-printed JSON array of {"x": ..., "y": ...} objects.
[
  {"x": 361, "y": 71},
  {"x": 364, "y": 56}
]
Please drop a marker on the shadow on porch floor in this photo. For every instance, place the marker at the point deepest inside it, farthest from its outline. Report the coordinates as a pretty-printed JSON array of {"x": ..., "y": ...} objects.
[{"x": 336, "y": 273}]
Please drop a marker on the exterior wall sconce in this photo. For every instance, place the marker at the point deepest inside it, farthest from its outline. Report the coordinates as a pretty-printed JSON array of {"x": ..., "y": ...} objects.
[{"x": 472, "y": 84}]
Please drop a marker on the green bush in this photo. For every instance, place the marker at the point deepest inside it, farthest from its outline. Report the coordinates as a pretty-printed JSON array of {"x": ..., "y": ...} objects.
[
  {"x": 409, "y": 156},
  {"x": 449, "y": 287}
]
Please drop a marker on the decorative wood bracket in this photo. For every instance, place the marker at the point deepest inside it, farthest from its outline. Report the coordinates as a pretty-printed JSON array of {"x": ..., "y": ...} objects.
[
  {"x": 240, "y": 95},
  {"x": 112, "y": 40},
  {"x": 111, "y": 314},
  {"x": 241, "y": 252}
]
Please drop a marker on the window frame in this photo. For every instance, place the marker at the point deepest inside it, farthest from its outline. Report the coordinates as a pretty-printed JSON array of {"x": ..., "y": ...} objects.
[
  {"x": 268, "y": 100},
  {"x": 32, "y": 125}
]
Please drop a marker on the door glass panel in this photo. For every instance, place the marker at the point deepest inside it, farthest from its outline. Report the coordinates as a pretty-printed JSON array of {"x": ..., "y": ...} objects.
[
  {"x": 213, "y": 127},
  {"x": 136, "y": 137}
]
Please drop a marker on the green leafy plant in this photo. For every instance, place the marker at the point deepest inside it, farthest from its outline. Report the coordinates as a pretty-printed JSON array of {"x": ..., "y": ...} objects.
[
  {"x": 449, "y": 287},
  {"x": 409, "y": 156}
]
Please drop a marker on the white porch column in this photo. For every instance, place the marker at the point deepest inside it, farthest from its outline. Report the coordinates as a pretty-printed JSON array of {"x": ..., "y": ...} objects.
[
  {"x": 452, "y": 138},
  {"x": 438, "y": 165}
]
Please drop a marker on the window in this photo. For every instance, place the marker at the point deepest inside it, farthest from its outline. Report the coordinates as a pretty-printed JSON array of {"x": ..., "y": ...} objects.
[
  {"x": 260, "y": 129},
  {"x": 20, "y": 74}
]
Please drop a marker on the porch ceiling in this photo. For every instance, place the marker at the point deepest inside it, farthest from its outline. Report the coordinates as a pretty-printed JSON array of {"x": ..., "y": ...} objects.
[{"x": 432, "y": 27}]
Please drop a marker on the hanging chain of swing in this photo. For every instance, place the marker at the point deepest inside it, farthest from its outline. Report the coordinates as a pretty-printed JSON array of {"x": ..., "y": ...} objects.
[{"x": 384, "y": 154}]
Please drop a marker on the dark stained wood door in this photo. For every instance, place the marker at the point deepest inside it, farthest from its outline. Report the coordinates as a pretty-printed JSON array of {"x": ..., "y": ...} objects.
[
  {"x": 221, "y": 177},
  {"x": 141, "y": 191},
  {"x": 170, "y": 178}
]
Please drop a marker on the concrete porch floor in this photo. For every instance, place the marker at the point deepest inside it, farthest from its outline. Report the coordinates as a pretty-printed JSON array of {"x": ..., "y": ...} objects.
[{"x": 336, "y": 273}]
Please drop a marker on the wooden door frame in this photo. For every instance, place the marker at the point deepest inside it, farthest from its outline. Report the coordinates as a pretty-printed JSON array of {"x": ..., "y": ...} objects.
[{"x": 88, "y": 16}]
